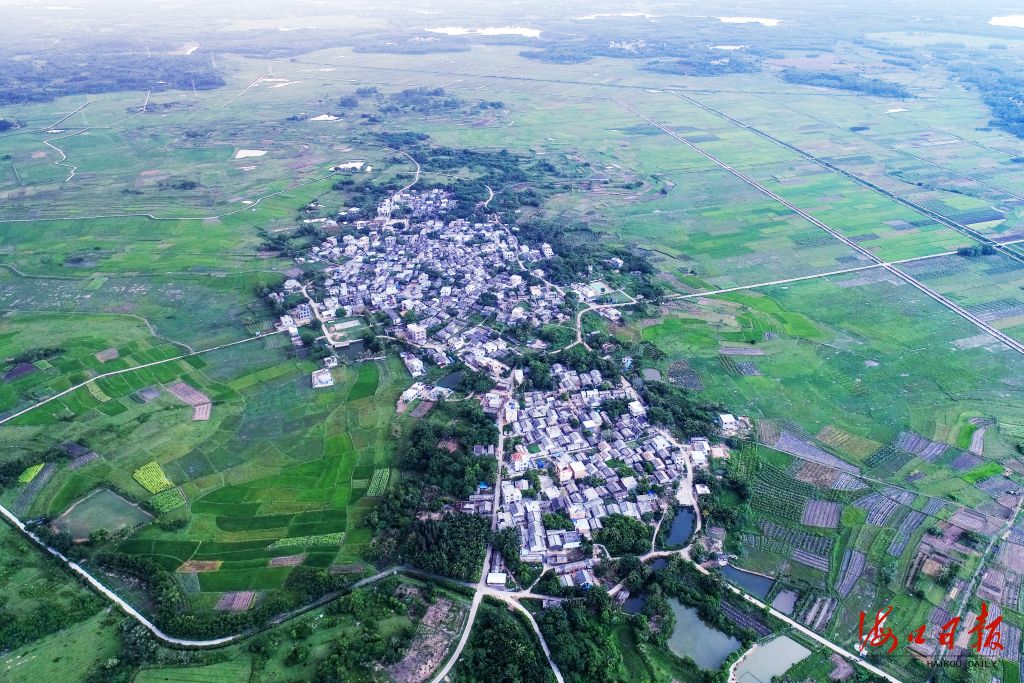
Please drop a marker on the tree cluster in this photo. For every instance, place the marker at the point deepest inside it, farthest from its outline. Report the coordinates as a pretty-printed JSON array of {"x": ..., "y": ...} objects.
[
  {"x": 438, "y": 448},
  {"x": 453, "y": 545},
  {"x": 623, "y": 535},
  {"x": 72, "y": 71},
  {"x": 845, "y": 81},
  {"x": 580, "y": 635},
  {"x": 679, "y": 409},
  {"x": 501, "y": 649}
]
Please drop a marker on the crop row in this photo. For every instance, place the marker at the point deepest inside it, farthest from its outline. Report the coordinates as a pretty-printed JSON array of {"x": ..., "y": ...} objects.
[
  {"x": 879, "y": 508},
  {"x": 30, "y": 473},
  {"x": 907, "y": 527},
  {"x": 320, "y": 539},
  {"x": 168, "y": 500},
  {"x": 28, "y": 494},
  {"x": 152, "y": 478},
  {"x": 811, "y": 560},
  {"x": 820, "y": 513},
  {"x": 97, "y": 393},
  {"x": 379, "y": 482},
  {"x": 776, "y": 503},
  {"x": 821, "y": 545},
  {"x": 849, "y": 571},
  {"x": 927, "y": 449},
  {"x": 887, "y": 460}
]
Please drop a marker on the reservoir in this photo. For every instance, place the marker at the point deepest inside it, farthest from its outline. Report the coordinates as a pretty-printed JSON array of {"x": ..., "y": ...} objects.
[
  {"x": 692, "y": 638},
  {"x": 757, "y": 585},
  {"x": 767, "y": 660}
]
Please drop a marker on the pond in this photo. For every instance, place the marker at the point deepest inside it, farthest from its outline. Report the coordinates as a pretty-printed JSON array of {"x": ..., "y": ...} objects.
[
  {"x": 692, "y": 638},
  {"x": 757, "y": 585},
  {"x": 451, "y": 380},
  {"x": 767, "y": 660},
  {"x": 634, "y": 604},
  {"x": 682, "y": 528},
  {"x": 659, "y": 563},
  {"x": 352, "y": 351},
  {"x": 487, "y": 31}
]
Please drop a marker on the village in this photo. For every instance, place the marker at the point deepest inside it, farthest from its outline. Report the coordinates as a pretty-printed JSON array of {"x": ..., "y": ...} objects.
[
  {"x": 588, "y": 461},
  {"x": 577, "y": 453}
]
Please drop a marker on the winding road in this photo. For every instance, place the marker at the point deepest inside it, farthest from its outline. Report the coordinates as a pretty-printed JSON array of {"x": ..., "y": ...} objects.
[{"x": 481, "y": 588}]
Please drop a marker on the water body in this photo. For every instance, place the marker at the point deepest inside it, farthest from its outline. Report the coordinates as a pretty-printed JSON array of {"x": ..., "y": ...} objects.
[
  {"x": 757, "y": 585},
  {"x": 352, "y": 351},
  {"x": 682, "y": 528},
  {"x": 451, "y": 380},
  {"x": 774, "y": 658},
  {"x": 659, "y": 563},
  {"x": 692, "y": 638},
  {"x": 750, "y": 20},
  {"x": 591, "y": 17},
  {"x": 1011, "y": 20},
  {"x": 488, "y": 31},
  {"x": 634, "y": 604}
]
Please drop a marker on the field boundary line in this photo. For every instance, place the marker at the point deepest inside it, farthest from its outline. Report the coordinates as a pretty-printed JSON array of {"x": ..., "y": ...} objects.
[
  {"x": 246, "y": 207},
  {"x": 854, "y": 178},
  {"x": 112, "y": 373},
  {"x": 1007, "y": 340}
]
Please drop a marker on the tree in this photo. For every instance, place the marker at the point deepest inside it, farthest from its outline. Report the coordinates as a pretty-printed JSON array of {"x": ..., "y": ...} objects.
[
  {"x": 502, "y": 649},
  {"x": 451, "y": 546},
  {"x": 623, "y": 535},
  {"x": 582, "y": 641},
  {"x": 308, "y": 335}
]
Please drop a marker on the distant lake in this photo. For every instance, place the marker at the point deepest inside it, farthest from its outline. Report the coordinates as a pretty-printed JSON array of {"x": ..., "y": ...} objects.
[
  {"x": 757, "y": 585},
  {"x": 692, "y": 638},
  {"x": 1011, "y": 20},
  {"x": 749, "y": 20},
  {"x": 489, "y": 31}
]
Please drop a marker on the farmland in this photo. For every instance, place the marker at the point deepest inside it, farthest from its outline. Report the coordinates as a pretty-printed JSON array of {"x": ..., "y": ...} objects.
[
  {"x": 269, "y": 472},
  {"x": 888, "y": 424},
  {"x": 40, "y": 600},
  {"x": 409, "y": 620}
]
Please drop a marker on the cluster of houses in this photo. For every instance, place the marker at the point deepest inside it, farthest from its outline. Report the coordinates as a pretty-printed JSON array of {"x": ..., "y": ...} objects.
[
  {"x": 431, "y": 278},
  {"x": 581, "y": 451},
  {"x": 590, "y": 463},
  {"x": 436, "y": 202}
]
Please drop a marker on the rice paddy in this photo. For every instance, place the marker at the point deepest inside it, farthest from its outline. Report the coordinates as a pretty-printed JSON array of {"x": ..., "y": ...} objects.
[{"x": 850, "y": 371}]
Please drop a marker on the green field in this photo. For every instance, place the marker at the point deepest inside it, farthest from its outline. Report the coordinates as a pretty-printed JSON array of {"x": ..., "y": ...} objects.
[
  {"x": 40, "y": 601},
  {"x": 845, "y": 356},
  {"x": 102, "y": 509},
  {"x": 275, "y": 462},
  {"x": 63, "y": 656}
]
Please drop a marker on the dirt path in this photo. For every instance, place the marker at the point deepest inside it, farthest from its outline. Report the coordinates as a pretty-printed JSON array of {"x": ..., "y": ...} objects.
[
  {"x": 132, "y": 369},
  {"x": 259, "y": 78},
  {"x": 64, "y": 157}
]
